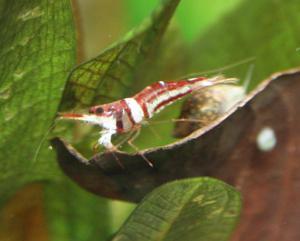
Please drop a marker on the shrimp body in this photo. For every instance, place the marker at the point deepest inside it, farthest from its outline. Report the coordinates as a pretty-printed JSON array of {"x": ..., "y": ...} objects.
[{"x": 130, "y": 113}]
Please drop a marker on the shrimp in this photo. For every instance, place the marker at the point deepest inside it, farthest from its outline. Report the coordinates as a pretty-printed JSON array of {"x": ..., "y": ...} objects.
[{"x": 131, "y": 113}]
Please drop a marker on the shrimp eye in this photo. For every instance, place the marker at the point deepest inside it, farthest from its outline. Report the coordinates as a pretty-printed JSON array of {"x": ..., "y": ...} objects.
[{"x": 99, "y": 110}]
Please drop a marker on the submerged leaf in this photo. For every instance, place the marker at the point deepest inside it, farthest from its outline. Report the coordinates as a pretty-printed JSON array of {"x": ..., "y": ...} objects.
[
  {"x": 115, "y": 73},
  {"x": 198, "y": 209},
  {"x": 37, "y": 50}
]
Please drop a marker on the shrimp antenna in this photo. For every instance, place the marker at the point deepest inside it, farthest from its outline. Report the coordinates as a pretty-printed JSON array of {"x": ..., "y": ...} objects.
[
  {"x": 248, "y": 78},
  {"x": 37, "y": 152},
  {"x": 222, "y": 69}
]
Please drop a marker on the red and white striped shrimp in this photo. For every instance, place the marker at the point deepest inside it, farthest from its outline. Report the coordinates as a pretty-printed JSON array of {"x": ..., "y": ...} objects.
[{"x": 130, "y": 113}]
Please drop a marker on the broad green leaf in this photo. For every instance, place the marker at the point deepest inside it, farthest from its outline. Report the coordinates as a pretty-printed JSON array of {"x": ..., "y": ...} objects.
[
  {"x": 266, "y": 31},
  {"x": 191, "y": 210},
  {"x": 37, "y": 50},
  {"x": 122, "y": 68}
]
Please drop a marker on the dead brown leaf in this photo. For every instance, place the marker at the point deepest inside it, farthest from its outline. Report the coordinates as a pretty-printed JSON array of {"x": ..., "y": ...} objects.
[{"x": 228, "y": 150}]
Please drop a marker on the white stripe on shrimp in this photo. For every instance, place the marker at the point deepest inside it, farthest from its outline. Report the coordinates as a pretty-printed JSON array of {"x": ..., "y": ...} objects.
[{"x": 136, "y": 110}]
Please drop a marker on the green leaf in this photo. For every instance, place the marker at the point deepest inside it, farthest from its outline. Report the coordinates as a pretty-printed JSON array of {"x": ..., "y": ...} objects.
[
  {"x": 190, "y": 210},
  {"x": 37, "y": 50},
  {"x": 122, "y": 68}
]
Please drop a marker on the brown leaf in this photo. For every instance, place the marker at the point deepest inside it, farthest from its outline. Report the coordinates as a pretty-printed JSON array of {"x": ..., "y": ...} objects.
[{"x": 228, "y": 150}]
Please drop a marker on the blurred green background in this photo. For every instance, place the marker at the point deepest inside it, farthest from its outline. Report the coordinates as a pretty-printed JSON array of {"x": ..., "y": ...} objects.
[
  {"x": 104, "y": 22},
  {"x": 263, "y": 33}
]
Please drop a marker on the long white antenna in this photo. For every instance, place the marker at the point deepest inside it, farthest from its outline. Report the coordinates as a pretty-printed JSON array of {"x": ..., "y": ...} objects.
[{"x": 222, "y": 69}]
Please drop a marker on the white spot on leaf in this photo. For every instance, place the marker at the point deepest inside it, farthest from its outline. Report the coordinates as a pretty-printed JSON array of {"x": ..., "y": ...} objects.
[
  {"x": 215, "y": 213},
  {"x": 24, "y": 41},
  {"x": 8, "y": 116},
  {"x": 18, "y": 74},
  {"x": 198, "y": 199},
  {"x": 6, "y": 93},
  {"x": 208, "y": 202},
  {"x": 30, "y": 14},
  {"x": 266, "y": 139}
]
